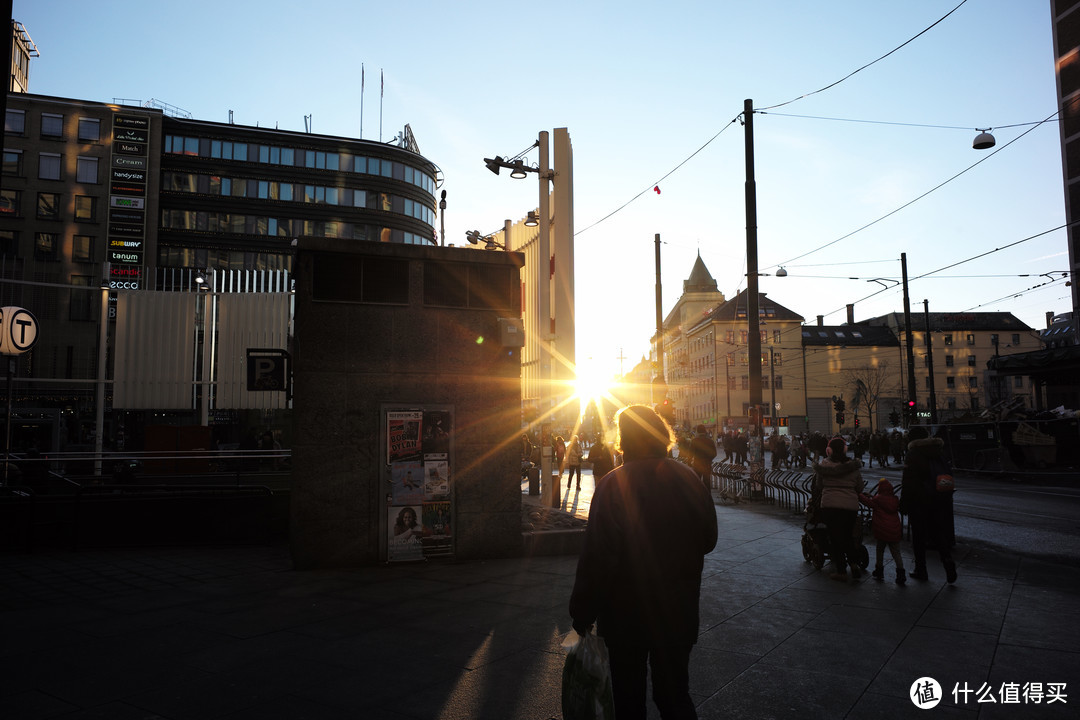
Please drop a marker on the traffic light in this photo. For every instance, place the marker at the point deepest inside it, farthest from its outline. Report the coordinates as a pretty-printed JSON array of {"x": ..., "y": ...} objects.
[
  {"x": 856, "y": 422},
  {"x": 667, "y": 411},
  {"x": 840, "y": 419},
  {"x": 894, "y": 418}
]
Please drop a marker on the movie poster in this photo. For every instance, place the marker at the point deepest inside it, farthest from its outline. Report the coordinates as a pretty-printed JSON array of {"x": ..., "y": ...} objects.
[
  {"x": 405, "y": 533},
  {"x": 403, "y": 436}
]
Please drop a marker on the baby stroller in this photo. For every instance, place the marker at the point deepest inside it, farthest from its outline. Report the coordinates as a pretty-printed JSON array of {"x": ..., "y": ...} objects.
[{"x": 816, "y": 546}]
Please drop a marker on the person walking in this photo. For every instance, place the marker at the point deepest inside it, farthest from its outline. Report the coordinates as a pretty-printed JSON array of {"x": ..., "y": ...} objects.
[
  {"x": 702, "y": 453},
  {"x": 639, "y": 573},
  {"x": 929, "y": 509},
  {"x": 574, "y": 454},
  {"x": 841, "y": 481},
  {"x": 887, "y": 528},
  {"x": 600, "y": 459}
]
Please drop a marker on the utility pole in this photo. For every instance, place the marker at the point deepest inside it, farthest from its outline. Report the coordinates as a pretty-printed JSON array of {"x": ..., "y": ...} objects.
[
  {"x": 930, "y": 362},
  {"x": 659, "y": 377},
  {"x": 908, "y": 335}
]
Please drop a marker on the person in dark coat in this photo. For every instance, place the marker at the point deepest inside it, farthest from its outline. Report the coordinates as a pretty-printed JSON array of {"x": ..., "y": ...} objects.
[
  {"x": 702, "y": 453},
  {"x": 600, "y": 459},
  {"x": 840, "y": 482},
  {"x": 930, "y": 511},
  {"x": 639, "y": 573}
]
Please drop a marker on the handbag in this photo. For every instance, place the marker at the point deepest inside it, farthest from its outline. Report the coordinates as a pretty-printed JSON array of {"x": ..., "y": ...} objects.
[{"x": 586, "y": 679}]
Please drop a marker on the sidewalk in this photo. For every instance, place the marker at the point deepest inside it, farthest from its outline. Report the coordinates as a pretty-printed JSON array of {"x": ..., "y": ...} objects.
[{"x": 200, "y": 633}]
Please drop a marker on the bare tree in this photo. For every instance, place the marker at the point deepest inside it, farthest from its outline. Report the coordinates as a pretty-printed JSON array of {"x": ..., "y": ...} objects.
[{"x": 868, "y": 384}]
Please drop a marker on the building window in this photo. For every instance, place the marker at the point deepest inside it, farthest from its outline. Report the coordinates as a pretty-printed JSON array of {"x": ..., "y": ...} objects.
[
  {"x": 48, "y": 206},
  {"x": 764, "y": 382},
  {"x": 744, "y": 337},
  {"x": 1016, "y": 339},
  {"x": 49, "y": 166},
  {"x": 9, "y": 242},
  {"x": 994, "y": 339},
  {"x": 1018, "y": 382},
  {"x": 89, "y": 129},
  {"x": 82, "y": 248},
  {"x": 777, "y": 359},
  {"x": 13, "y": 162},
  {"x": 973, "y": 381},
  {"x": 778, "y": 382},
  {"x": 951, "y": 403},
  {"x": 950, "y": 382},
  {"x": 949, "y": 361},
  {"x": 745, "y": 382},
  {"x": 15, "y": 122},
  {"x": 179, "y": 145},
  {"x": 776, "y": 337},
  {"x": 9, "y": 202},
  {"x": 926, "y": 382},
  {"x": 975, "y": 404},
  {"x": 970, "y": 339},
  {"x": 971, "y": 361},
  {"x": 45, "y": 246},
  {"x": 81, "y": 303},
  {"x": 86, "y": 170},
  {"x": 948, "y": 339},
  {"x": 228, "y": 150},
  {"x": 85, "y": 208},
  {"x": 52, "y": 125},
  {"x": 731, "y": 383},
  {"x": 729, "y": 337}
]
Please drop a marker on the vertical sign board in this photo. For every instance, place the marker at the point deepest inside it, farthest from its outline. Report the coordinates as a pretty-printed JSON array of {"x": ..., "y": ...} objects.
[
  {"x": 419, "y": 509},
  {"x": 127, "y": 199}
]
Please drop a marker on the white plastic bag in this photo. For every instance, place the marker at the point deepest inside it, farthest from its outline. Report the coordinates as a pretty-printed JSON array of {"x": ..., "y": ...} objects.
[{"x": 586, "y": 679}]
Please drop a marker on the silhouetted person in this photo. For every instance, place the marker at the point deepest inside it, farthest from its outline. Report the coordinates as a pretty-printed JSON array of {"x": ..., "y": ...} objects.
[
  {"x": 651, "y": 524},
  {"x": 930, "y": 511}
]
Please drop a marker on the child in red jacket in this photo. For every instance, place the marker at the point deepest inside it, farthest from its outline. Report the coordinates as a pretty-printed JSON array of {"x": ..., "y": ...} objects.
[{"x": 887, "y": 527}]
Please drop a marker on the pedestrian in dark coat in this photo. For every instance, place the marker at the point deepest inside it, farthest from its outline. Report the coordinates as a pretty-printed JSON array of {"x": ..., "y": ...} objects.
[
  {"x": 841, "y": 482},
  {"x": 600, "y": 459},
  {"x": 702, "y": 453},
  {"x": 887, "y": 527},
  {"x": 639, "y": 574},
  {"x": 929, "y": 510}
]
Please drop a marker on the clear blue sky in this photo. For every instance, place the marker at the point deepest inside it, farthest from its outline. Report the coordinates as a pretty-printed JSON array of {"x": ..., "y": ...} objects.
[{"x": 642, "y": 86}]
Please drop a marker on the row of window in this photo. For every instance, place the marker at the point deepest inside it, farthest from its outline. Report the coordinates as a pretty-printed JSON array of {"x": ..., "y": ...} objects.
[
  {"x": 236, "y": 223},
  {"x": 298, "y": 157},
  {"x": 970, "y": 337},
  {"x": 48, "y": 206},
  {"x": 47, "y": 246},
  {"x": 294, "y": 192},
  {"x": 50, "y": 166},
  {"x": 52, "y": 126}
]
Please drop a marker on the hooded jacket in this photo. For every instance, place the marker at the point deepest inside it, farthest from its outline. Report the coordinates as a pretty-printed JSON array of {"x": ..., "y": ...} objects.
[
  {"x": 841, "y": 483},
  {"x": 885, "y": 523}
]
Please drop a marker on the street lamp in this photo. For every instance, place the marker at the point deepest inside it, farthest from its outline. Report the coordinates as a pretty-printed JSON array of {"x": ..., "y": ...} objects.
[
  {"x": 490, "y": 243},
  {"x": 542, "y": 322}
]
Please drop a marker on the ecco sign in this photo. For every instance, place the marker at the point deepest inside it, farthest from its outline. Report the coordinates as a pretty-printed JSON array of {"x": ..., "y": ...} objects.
[{"x": 18, "y": 330}]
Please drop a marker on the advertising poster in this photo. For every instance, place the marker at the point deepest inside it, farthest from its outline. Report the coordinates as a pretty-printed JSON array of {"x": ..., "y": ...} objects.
[
  {"x": 436, "y": 480},
  {"x": 436, "y": 425},
  {"x": 405, "y": 533},
  {"x": 436, "y": 533},
  {"x": 407, "y": 483},
  {"x": 403, "y": 436}
]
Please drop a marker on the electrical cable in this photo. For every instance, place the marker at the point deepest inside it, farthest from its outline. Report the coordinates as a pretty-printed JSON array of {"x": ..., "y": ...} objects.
[{"x": 832, "y": 85}]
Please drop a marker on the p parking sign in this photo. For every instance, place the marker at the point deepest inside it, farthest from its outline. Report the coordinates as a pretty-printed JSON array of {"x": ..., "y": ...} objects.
[
  {"x": 18, "y": 330},
  {"x": 267, "y": 369}
]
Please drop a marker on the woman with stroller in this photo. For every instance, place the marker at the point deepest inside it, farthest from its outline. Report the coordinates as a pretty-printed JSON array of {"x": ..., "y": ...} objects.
[{"x": 841, "y": 482}]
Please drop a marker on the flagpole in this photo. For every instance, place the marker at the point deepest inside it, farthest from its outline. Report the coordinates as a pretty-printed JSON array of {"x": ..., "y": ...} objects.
[
  {"x": 382, "y": 86},
  {"x": 361, "y": 101}
]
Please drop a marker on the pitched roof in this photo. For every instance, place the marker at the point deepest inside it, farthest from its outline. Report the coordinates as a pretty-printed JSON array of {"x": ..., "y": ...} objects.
[
  {"x": 734, "y": 310},
  {"x": 700, "y": 279},
  {"x": 953, "y": 321},
  {"x": 849, "y": 335}
]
